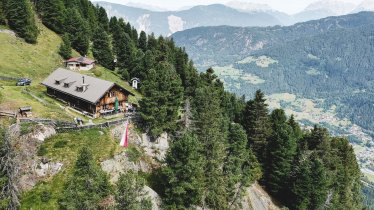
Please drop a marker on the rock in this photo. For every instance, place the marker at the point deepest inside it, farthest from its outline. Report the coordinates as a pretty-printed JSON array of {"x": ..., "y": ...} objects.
[
  {"x": 41, "y": 132},
  {"x": 155, "y": 198},
  {"x": 120, "y": 163},
  {"x": 47, "y": 169},
  {"x": 156, "y": 149}
]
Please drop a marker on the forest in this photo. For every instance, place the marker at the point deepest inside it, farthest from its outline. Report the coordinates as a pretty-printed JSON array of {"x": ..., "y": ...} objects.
[{"x": 220, "y": 143}]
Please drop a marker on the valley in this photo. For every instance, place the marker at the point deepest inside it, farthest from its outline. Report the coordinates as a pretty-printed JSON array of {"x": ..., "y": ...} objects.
[{"x": 304, "y": 68}]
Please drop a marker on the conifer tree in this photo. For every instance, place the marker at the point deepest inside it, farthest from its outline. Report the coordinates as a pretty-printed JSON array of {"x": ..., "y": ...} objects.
[
  {"x": 52, "y": 14},
  {"x": 102, "y": 18},
  {"x": 256, "y": 123},
  {"x": 126, "y": 52},
  {"x": 87, "y": 186},
  {"x": 163, "y": 97},
  {"x": 21, "y": 19},
  {"x": 77, "y": 28},
  {"x": 281, "y": 153},
  {"x": 65, "y": 47},
  {"x": 241, "y": 166},
  {"x": 129, "y": 193},
  {"x": 142, "y": 43},
  {"x": 209, "y": 121},
  {"x": 113, "y": 23},
  {"x": 184, "y": 173},
  {"x": 2, "y": 13},
  {"x": 102, "y": 50}
]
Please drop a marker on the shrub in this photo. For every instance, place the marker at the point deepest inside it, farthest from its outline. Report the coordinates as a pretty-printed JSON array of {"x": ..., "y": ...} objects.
[
  {"x": 42, "y": 150},
  {"x": 60, "y": 144}
]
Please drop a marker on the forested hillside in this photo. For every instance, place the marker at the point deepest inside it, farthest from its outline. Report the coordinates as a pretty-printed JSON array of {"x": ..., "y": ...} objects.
[
  {"x": 328, "y": 58},
  {"x": 220, "y": 143}
]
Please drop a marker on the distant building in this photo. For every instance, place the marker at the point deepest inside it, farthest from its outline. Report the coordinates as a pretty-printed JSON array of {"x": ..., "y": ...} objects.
[
  {"x": 80, "y": 63},
  {"x": 87, "y": 94}
]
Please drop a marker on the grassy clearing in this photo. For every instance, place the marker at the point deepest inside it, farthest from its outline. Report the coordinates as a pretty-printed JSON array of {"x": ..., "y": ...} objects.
[
  {"x": 102, "y": 145},
  {"x": 19, "y": 59},
  {"x": 262, "y": 61},
  {"x": 226, "y": 72}
]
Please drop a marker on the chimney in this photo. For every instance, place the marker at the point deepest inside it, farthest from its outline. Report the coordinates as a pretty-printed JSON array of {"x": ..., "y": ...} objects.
[{"x": 83, "y": 79}]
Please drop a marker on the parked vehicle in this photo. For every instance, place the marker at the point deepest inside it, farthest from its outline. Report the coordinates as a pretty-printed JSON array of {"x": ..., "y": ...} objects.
[{"x": 24, "y": 82}]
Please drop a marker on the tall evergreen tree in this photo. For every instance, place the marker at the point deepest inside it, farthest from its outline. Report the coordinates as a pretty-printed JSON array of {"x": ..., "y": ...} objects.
[
  {"x": 209, "y": 121},
  {"x": 102, "y": 18},
  {"x": 142, "y": 43},
  {"x": 130, "y": 194},
  {"x": 77, "y": 28},
  {"x": 102, "y": 50},
  {"x": 281, "y": 153},
  {"x": 184, "y": 173},
  {"x": 87, "y": 186},
  {"x": 20, "y": 16},
  {"x": 309, "y": 184},
  {"x": 113, "y": 23},
  {"x": 241, "y": 166},
  {"x": 163, "y": 97},
  {"x": 256, "y": 123},
  {"x": 2, "y": 13},
  {"x": 65, "y": 47},
  {"x": 52, "y": 14},
  {"x": 126, "y": 52}
]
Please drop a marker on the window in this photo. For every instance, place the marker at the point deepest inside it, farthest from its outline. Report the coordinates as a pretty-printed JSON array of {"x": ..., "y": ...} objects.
[{"x": 112, "y": 94}]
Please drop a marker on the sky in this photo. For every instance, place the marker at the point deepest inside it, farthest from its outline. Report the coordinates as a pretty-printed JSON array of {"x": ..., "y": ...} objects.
[{"x": 287, "y": 6}]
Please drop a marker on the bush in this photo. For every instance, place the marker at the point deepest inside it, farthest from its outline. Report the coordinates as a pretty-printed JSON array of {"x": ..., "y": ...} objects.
[
  {"x": 97, "y": 72},
  {"x": 133, "y": 154},
  {"x": 60, "y": 144},
  {"x": 42, "y": 150},
  {"x": 45, "y": 196}
]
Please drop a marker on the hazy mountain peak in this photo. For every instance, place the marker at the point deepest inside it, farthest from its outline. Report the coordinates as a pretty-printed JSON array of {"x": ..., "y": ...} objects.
[
  {"x": 146, "y": 6},
  {"x": 248, "y": 6},
  {"x": 337, "y": 7}
]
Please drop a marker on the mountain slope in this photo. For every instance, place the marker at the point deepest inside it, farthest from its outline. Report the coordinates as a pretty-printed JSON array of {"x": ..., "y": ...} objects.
[
  {"x": 169, "y": 22},
  {"x": 322, "y": 66}
]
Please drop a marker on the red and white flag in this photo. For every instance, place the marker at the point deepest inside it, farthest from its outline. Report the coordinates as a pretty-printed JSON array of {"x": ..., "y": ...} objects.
[{"x": 125, "y": 136}]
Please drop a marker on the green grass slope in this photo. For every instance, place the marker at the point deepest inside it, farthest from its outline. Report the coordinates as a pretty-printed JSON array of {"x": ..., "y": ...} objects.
[{"x": 19, "y": 59}]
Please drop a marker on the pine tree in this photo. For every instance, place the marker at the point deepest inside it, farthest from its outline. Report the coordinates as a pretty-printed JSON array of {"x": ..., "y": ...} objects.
[
  {"x": 126, "y": 52},
  {"x": 163, "y": 97},
  {"x": 101, "y": 49},
  {"x": 130, "y": 194},
  {"x": 102, "y": 18},
  {"x": 2, "y": 13},
  {"x": 295, "y": 128},
  {"x": 281, "y": 153},
  {"x": 184, "y": 173},
  {"x": 142, "y": 43},
  {"x": 256, "y": 123},
  {"x": 209, "y": 121},
  {"x": 241, "y": 166},
  {"x": 65, "y": 47},
  {"x": 346, "y": 177},
  {"x": 21, "y": 19},
  {"x": 77, "y": 28},
  {"x": 113, "y": 23},
  {"x": 52, "y": 14},
  {"x": 87, "y": 186}
]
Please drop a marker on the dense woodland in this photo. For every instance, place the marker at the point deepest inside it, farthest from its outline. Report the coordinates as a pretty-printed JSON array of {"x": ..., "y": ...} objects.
[{"x": 220, "y": 145}]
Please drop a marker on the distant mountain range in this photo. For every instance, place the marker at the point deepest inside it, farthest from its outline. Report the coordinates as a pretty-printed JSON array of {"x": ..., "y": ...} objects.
[
  {"x": 235, "y": 13},
  {"x": 331, "y": 58}
]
